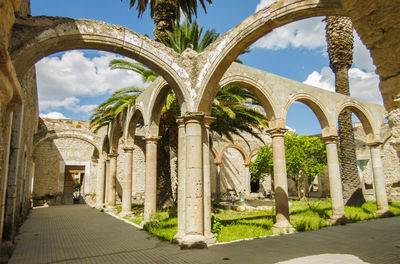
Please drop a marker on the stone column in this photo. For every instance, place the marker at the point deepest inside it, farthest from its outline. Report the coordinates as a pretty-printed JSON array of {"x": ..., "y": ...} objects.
[
  {"x": 209, "y": 236},
  {"x": 335, "y": 182},
  {"x": 6, "y": 120},
  {"x": 218, "y": 180},
  {"x": 181, "y": 180},
  {"x": 101, "y": 174},
  {"x": 194, "y": 189},
  {"x": 150, "y": 189},
  {"x": 127, "y": 182},
  {"x": 247, "y": 179},
  {"x": 113, "y": 179},
  {"x": 282, "y": 224},
  {"x": 16, "y": 165},
  {"x": 379, "y": 179},
  {"x": 107, "y": 179}
]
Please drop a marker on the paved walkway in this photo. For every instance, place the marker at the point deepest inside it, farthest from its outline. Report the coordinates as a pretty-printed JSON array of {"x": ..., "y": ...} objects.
[{"x": 80, "y": 234}]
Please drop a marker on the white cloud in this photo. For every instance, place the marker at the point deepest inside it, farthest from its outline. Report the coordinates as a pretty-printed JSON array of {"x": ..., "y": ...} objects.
[
  {"x": 363, "y": 85},
  {"x": 310, "y": 34},
  {"x": 69, "y": 103},
  {"x": 53, "y": 115},
  {"x": 290, "y": 129},
  {"x": 324, "y": 80},
  {"x": 307, "y": 33},
  {"x": 361, "y": 55},
  {"x": 61, "y": 80}
]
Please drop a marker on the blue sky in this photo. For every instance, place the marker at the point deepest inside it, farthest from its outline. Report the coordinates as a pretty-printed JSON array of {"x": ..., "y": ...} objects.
[{"x": 72, "y": 83}]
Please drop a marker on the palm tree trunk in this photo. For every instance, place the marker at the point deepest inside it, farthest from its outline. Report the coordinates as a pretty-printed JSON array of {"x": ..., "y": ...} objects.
[
  {"x": 165, "y": 12},
  {"x": 339, "y": 35},
  {"x": 352, "y": 191}
]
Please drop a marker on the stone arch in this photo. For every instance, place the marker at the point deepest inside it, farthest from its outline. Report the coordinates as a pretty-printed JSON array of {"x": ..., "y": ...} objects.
[
  {"x": 38, "y": 37},
  {"x": 69, "y": 134},
  {"x": 215, "y": 155},
  {"x": 263, "y": 93},
  {"x": 105, "y": 149},
  {"x": 131, "y": 124},
  {"x": 156, "y": 103},
  {"x": 95, "y": 154},
  {"x": 115, "y": 135},
  {"x": 220, "y": 55},
  {"x": 246, "y": 160},
  {"x": 315, "y": 104},
  {"x": 362, "y": 114},
  {"x": 253, "y": 153},
  {"x": 233, "y": 174}
]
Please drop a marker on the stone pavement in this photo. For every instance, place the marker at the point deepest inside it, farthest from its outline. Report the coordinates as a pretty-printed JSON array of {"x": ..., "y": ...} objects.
[{"x": 81, "y": 234}]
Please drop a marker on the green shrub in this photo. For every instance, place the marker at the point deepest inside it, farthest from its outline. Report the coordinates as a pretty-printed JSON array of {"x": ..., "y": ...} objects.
[{"x": 216, "y": 225}]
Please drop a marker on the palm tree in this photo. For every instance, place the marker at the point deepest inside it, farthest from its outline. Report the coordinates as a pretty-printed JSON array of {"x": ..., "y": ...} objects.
[
  {"x": 339, "y": 35},
  {"x": 233, "y": 106},
  {"x": 115, "y": 104},
  {"x": 165, "y": 12}
]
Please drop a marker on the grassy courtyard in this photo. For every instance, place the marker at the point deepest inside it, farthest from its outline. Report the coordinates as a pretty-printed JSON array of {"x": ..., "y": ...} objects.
[{"x": 229, "y": 225}]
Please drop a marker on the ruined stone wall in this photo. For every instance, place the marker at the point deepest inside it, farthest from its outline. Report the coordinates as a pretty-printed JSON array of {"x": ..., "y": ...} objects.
[
  {"x": 60, "y": 143},
  {"x": 51, "y": 157},
  {"x": 17, "y": 125},
  {"x": 390, "y": 161}
]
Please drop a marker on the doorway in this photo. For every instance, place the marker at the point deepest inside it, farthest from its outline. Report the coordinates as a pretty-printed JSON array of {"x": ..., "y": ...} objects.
[{"x": 74, "y": 179}]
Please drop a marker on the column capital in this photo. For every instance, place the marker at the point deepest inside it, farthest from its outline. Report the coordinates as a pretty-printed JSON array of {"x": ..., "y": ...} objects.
[
  {"x": 193, "y": 117},
  {"x": 128, "y": 149},
  {"x": 330, "y": 139},
  {"x": 375, "y": 144},
  {"x": 151, "y": 139},
  {"x": 181, "y": 122},
  {"x": 112, "y": 155},
  {"x": 277, "y": 132},
  {"x": 208, "y": 120}
]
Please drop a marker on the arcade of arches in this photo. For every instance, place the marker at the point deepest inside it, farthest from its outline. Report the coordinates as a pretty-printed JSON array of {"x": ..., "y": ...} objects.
[{"x": 194, "y": 78}]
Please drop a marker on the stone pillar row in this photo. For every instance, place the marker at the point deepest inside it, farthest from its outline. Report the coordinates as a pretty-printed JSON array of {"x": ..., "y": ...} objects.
[{"x": 194, "y": 187}]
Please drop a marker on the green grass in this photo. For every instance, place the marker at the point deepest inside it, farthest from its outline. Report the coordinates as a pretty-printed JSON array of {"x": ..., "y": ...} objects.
[
  {"x": 233, "y": 225},
  {"x": 240, "y": 225},
  {"x": 164, "y": 227}
]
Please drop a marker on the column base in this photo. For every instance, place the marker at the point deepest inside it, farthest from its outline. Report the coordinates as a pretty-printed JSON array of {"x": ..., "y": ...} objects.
[
  {"x": 193, "y": 241},
  {"x": 383, "y": 213},
  {"x": 283, "y": 228},
  {"x": 99, "y": 206},
  {"x": 210, "y": 239},
  {"x": 338, "y": 219},
  {"x": 126, "y": 213},
  {"x": 177, "y": 239}
]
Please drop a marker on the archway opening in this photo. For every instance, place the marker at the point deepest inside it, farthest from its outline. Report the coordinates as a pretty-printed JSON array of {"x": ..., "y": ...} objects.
[
  {"x": 355, "y": 131},
  {"x": 305, "y": 151}
]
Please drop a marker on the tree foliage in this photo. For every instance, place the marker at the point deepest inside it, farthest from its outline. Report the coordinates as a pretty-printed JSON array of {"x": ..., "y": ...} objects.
[
  {"x": 305, "y": 158},
  {"x": 187, "y": 7}
]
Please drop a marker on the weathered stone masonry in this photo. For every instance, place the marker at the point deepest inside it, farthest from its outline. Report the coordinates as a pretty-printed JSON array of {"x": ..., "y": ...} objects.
[{"x": 193, "y": 77}]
